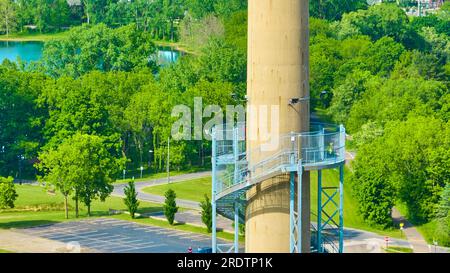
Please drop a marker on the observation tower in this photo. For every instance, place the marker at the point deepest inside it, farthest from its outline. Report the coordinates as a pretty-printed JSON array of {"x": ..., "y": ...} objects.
[{"x": 261, "y": 169}]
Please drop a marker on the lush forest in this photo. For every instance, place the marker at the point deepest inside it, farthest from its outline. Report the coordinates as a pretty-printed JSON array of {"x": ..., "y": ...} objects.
[
  {"x": 382, "y": 74},
  {"x": 386, "y": 77}
]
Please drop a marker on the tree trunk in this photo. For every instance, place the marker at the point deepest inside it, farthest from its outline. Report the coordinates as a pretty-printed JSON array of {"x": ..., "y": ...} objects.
[
  {"x": 76, "y": 205},
  {"x": 89, "y": 210},
  {"x": 66, "y": 206}
]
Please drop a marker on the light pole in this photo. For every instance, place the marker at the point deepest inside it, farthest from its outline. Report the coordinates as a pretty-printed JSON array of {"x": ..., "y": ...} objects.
[
  {"x": 168, "y": 160},
  {"x": 124, "y": 173},
  {"x": 142, "y": 169},
  {"x": 149, "y": 160}
]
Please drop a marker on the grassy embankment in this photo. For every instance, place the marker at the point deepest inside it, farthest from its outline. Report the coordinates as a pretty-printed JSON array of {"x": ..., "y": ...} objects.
[
  {"x": 195, "y": 190},
  {"x": 35, "y": 206},
  {"x": 32, "y": 37},
  {"x": 397, "y": 249}
]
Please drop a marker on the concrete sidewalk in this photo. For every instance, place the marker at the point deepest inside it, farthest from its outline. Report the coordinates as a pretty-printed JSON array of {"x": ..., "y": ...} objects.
[{"x": 418, "y": 243}]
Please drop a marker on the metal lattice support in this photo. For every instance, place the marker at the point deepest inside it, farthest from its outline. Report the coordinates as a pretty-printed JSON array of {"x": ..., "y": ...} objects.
[
  {"x": 236, "y": 227},
  {"x": 330, "y": 231},
  {"x": 295, "y": 238}
]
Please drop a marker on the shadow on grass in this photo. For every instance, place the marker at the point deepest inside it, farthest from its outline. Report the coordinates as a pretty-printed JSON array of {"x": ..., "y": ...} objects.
[{"x": 26, "y": 224}]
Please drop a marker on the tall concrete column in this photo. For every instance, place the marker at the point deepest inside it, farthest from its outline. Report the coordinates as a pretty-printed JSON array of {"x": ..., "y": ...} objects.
[{"x": 278, "y": 70}]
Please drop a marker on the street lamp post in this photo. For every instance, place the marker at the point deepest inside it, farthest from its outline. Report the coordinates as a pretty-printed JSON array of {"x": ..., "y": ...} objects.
[
  {"x": 142, "y": 169},
  {"x": 149, "y": 161}
]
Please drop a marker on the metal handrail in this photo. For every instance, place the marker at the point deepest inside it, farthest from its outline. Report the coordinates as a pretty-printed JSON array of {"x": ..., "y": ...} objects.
[{"x": 313, "y": 151}]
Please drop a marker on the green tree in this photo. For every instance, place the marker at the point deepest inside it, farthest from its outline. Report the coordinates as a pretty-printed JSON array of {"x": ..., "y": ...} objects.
[
  {"x": 8, "y": 194},
  {"x": 80, "y": 164},
  {"x": 21, "y": 119},
  {"x": 130, "y": 199},
  {"x": 58, "y": 172},
  {"x": 98, "y": 47},
  {"x": 170, "y": 206},
  {"x": 378, "y": 21},
  {"x": 371, "y": 186},
  {"x": 442, "y": 233},
  {"x": 207, "y": 213},
  {"x": 347, "y": 93},
  {"x": 8, "y": 16},
  {"x": 334, "y": 9},
  {"x": 408, "y": 164},
  {"x": 97, "y": 168}
]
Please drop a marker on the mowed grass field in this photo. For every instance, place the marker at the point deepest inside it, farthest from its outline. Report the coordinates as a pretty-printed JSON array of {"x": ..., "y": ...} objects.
[
  {"x": 33, "y": 37},
  {"x": 196, "y": 189},
  {"x": 35, "y": 206}
]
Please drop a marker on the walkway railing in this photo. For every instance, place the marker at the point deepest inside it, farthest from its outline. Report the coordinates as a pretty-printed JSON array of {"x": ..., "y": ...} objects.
[{"x": 321, "y": 148}]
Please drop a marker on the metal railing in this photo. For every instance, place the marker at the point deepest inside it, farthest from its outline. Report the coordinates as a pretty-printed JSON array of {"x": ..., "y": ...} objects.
[{"x": 323, "y": 145}]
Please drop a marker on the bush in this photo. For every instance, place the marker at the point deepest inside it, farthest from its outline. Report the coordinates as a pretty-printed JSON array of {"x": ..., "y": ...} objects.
[
  {"x": 442, "y": 232},
  {"x": 8, "y": 193},
  {"x": 170, "y": 206},
  {"x": 130, "y": 199},
  {"x": 207, "y": 213}
]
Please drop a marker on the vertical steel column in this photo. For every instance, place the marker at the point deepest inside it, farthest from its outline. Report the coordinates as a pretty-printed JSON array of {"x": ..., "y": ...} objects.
[
  {"x": 341, "y": 208},
  {"x": 213, "y": 196},
  {"x": 322, "y": 143},
  {"x": 292, "y": 213},
  {"x": 319, "y": 211},
  {"x": 236, "y": 227},
  {"x": 236, "y": 153},
  {"x": 299, "y": 206}
]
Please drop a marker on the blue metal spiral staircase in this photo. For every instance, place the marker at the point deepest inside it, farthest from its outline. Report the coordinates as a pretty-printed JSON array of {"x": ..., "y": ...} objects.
[{"x": 323, "y": 147}]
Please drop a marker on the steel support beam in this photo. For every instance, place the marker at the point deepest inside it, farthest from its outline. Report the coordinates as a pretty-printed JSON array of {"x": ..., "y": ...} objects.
[
  {"x": 299, "y": 206},
  {"x": 236, "y": 227},
  {"x": 319, "y": 211},
  {"x": 292, "y": 218},
  {"x": 213, "y": 196},
  {"x": 341, "y": 208}
]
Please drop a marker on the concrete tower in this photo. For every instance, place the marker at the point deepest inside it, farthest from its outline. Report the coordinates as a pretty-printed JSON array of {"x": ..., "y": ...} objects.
[{"x": 278, "y": 71}]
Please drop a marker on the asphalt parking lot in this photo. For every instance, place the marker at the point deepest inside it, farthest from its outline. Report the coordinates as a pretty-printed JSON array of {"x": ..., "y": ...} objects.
[{"x": 117, "y": 236}]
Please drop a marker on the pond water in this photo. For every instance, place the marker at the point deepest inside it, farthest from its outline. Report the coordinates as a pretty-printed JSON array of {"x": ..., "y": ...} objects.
[
  {"x": 32, "y": 51},
  {"x": 26, "y": 51}
]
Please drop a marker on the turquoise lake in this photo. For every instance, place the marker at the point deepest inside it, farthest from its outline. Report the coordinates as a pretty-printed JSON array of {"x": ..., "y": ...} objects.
[{"x": 32, "y": 51}]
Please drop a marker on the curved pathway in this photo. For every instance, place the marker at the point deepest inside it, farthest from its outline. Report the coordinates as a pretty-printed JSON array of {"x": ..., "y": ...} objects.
[
  {"x": 119, "y": 189},
  {"x": 418, "y": 243}
]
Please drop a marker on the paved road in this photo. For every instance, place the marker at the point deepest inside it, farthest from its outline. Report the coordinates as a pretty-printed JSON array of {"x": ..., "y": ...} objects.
[
  {"x": 108, "y": 235},
  {"x": 119, "y": 189}
]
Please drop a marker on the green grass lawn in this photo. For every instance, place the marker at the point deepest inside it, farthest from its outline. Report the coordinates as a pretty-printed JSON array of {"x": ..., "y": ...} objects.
[
  {"x": 428, "y": 231},
  {"x": 149, "y": 175},
  {"x": 35, "y": 206},
  {"x": 189, "y": 190},
  {"x": 397, "y": 249},
  {"x": 195, "y": 189},
  {"x": 5, "y": 251},
  {"x": 35, "y": 37}
]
